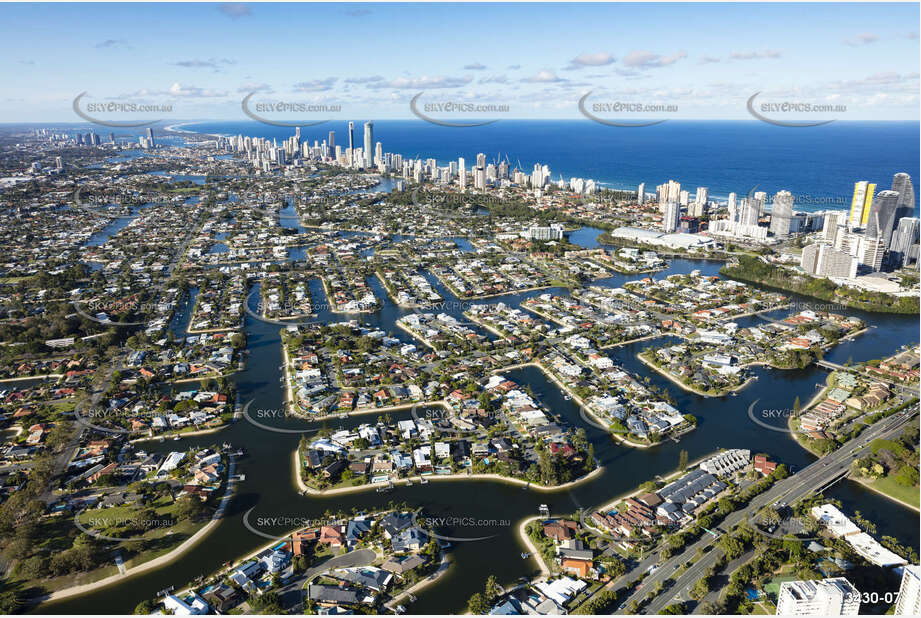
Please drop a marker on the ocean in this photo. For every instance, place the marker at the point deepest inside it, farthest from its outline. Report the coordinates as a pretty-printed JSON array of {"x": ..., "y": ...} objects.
[{"x": 819, "y": 165}]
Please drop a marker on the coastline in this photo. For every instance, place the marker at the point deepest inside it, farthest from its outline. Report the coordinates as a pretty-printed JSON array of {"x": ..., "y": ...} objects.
[
  {"x": 155, "y": 563},
  {"x": 865, "y": 483},
  {"x": 443, "y": 567},
  {"x": 549, "y": 375},
  {"x": 306, "y": 490},
  {"x": 680, "y": 384},
  {"x": 535, "y": 553}
]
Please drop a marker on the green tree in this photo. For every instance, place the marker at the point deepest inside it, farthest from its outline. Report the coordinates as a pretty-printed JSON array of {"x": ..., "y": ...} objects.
[
  {"x": 144, "y": 608},
  {"x": 477, "y": 604},
  {"x": 492, "y": 589},
  {"x": 676, "y": 609}
]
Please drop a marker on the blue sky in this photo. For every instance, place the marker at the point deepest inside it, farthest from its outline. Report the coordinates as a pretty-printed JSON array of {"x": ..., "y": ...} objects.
[{"x": 706, "y": 60}]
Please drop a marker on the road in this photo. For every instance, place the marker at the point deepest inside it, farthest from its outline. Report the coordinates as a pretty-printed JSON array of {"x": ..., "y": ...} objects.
[
  {"x": 721, "y": 580},
  {"x": 292, "y": 594},
  {"x": 807, "y": 481}
]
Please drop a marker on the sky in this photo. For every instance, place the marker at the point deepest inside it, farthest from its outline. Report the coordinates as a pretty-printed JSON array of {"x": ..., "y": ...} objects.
[{"x": 686, "y": 60}]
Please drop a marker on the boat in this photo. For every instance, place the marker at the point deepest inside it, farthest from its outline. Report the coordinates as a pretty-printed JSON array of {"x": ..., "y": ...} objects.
[
  {"x": 409, "y": 482},
  {"x": 525, "y": 555},
  {"x": 424, "y": 481},
  {"x": 176, "y": 438},
  {"x": 567, "y": 397}
]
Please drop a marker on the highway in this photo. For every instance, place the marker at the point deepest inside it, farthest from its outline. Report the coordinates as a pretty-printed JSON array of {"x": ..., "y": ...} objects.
[{"x": 807, "y": 481}]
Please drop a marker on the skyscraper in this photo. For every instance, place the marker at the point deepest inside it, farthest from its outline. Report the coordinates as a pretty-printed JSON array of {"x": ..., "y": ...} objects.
[
  {"x": 733, "y": 206},
  {"x": 750, "y": 213},
  {"x": 903, "y": 246},
  {"x": 672, "y": 217},
  {"x": 479, "y": 172},
  {"x": 908, "y": 602},
  {"x": 881, "y": 219},
  {"x": 825, "y": 597},
  {"x": 668, "y": 192},
  {"x": 150, "y": 137},
  {"x": 369, "y": 143},
  {"x": 351, "y": 141},
  {"x": 809, "y": 259},
  {"x": 901, "y": 183},
  {"x": 860, "y": 203},
  {"x": 702, "y": 196},
  {"x": 872, "y": 250},
  {"x": 331, "y": 142},
  {"x": 833, "y": 219},
  {"x": 781, "y": 213},
  {"x": 641, "y": 193}
]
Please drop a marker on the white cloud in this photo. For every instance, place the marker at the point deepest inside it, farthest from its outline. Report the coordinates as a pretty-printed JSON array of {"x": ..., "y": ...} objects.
[
  {"x": 211, "y": 63},
  {"x": 544, "y": 77},
  {"x": 590, "y": 60},
  {"x": 234, "y": 10},
  {"x": 648, "y": 60},
  {"x": 755, "y": 55},
  {"x": 315, "y": 85},
  {"x": 364, "y": 80},
  {"x": 423, "y": 83},
  {"x": 862, "y": 39},
  {"x": 193, "y": 92},
  {"x": 254, "y": 87}
]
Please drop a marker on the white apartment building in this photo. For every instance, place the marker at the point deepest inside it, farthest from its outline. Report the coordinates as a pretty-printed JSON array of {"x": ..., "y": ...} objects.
[
  {"x": 826, "y": 597},
  {"x": 909, "y": 600}
]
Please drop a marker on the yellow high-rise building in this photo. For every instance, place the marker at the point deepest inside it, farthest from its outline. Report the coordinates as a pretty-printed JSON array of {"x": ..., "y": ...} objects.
[{"x": 860, "y": 203}]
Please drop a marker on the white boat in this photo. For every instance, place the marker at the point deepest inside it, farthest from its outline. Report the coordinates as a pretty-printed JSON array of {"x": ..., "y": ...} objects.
[{"x": 424, "y": 481}]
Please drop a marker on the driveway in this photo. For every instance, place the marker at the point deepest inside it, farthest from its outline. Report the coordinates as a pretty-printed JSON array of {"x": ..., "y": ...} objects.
[{"x": 292, "y": 593}]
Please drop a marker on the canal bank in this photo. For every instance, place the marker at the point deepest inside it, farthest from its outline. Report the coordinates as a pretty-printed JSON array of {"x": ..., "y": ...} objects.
[{"x": 722, "y": 423}]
